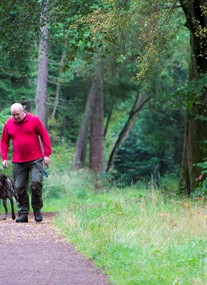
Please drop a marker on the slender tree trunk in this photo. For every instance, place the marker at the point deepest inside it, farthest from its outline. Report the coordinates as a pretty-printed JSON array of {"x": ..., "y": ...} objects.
[
  {"x": 194, "y": 149},
  {"x": 97, "y": 130},
  {"x": 138, "y": 105},
  {"x": 58, "y": 86},
  {"x": 81, "y": 142},
  {"x": 107, "y": 122},
  {"x": 41, "y": 94}
]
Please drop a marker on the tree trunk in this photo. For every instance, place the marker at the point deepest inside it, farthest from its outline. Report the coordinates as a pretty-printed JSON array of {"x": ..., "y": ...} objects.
[
  {"x": 58, "y": 86},
  {"x": 41, "y": 94},
  {"x": 194, "y": 150},
  {"x": 107, "y": 122},
  {"x": 97, "y": 129},
  {"x": 81, "y": 143},
  {"x": 138, "y": 105}
]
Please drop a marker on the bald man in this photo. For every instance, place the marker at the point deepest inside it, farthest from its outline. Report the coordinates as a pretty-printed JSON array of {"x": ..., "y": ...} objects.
[{"x": 31, "y": 149}]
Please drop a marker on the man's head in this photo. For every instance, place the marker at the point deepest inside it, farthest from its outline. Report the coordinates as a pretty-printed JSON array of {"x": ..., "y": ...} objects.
[{"x": 17, "y": 111}]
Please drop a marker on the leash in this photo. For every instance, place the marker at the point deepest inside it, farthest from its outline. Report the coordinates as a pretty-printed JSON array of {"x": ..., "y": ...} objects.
[
  {"x": 41, "y": 168},
  {"x": 45, "y": 172}
]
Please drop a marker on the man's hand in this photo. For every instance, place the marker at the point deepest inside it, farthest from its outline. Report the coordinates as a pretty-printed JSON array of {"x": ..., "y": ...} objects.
[
  {"x": 5, "y": 163},
  {"x": 46, "y": 160}
]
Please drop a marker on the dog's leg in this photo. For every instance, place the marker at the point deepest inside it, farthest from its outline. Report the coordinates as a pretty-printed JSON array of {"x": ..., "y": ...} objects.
[
  {"x": 12, "y": 208},
  {"x": 6, "y": 210}
]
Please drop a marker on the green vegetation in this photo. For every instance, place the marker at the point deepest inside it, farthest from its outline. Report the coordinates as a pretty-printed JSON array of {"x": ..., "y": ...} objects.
[
  {"x": 137, "y": 235},
  {"x": 130, "y": 220}
]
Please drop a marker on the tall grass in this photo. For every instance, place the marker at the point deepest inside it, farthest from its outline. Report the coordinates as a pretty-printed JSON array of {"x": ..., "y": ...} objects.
[{"x": 138, "y": 236}]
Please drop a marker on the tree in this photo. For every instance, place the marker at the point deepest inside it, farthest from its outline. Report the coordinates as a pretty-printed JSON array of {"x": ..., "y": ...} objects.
[
  {"x": 58, "y": 84},
  {"x": 140, "y": 101},
  {"x": 133, "y": 35},
  {"x": 82, "y": 139},
  {"x": 19, "y": 28},
  {"x": 20, "y": 23},
  {"x": 118, "y": 33},
  {"x": 195, "y": 150},
  {"x": 41, "y": 94},
  {"x": 154, "y": 146},
  {"x": 97, "y": 126}
]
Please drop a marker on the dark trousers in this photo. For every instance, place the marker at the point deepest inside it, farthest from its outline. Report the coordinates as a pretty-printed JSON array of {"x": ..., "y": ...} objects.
[{"x": 22, "y": 174}]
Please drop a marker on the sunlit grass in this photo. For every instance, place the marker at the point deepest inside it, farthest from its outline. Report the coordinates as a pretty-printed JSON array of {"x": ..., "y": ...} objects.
[{"x": 137, "y": 236}]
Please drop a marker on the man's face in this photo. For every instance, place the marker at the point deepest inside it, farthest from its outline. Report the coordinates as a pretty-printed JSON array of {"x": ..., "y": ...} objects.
[{"x": 18, "y": 114}]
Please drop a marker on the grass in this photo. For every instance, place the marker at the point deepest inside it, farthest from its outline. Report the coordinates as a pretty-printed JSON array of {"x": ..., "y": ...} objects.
[{"x": 137, "y": 236}]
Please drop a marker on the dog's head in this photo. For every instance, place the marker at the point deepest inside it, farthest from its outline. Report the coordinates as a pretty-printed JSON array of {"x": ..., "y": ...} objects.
[{"x": 3, "y": 179}]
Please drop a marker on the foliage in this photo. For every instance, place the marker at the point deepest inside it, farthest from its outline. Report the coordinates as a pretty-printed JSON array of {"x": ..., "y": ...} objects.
[
  {"x": 190, "y": 93},
  {"x": 134, "y": 37},
  {"x": 201, "y": 189},
  {"x": 154, "y": 146},
  {"x": 20, "y": 23}
]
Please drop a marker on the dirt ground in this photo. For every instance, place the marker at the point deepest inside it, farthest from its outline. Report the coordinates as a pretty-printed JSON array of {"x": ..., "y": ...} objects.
[{"x": 35, "y": 254}]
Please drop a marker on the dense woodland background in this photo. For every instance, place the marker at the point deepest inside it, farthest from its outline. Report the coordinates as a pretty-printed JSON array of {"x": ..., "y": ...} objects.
[{"x": 119, "y": 84}]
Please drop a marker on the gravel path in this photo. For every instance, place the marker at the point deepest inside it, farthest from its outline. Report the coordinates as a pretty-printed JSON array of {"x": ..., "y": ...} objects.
[{"x": 35, "y": 254}]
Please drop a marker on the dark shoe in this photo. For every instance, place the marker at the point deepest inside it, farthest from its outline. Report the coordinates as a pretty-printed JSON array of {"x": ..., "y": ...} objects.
[
  {"x": 38, "y": 216},
  {"x": 23, "y": 218}
]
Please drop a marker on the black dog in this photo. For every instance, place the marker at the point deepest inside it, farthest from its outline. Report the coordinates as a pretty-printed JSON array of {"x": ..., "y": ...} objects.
[{"x": 7, "y": 191}]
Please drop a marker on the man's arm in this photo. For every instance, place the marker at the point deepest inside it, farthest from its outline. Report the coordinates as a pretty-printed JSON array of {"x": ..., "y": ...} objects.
[
  {"x": 45, "y": 142},
  {"x": 5, "y": 139}
]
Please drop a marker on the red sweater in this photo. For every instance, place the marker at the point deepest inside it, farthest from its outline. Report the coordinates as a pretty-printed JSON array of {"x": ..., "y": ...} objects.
[{"x": 25, "y": 139}]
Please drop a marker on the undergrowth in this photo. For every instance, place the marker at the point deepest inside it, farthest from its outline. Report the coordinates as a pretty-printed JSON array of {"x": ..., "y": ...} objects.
[{"x": 137, "y": 236}]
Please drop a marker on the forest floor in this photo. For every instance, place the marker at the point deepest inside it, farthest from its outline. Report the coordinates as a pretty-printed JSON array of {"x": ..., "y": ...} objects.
[{"x": 36, "y": 254}]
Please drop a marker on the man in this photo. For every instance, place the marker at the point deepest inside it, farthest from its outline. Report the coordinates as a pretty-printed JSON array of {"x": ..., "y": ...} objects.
[{"x": 31, "y": 148}]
